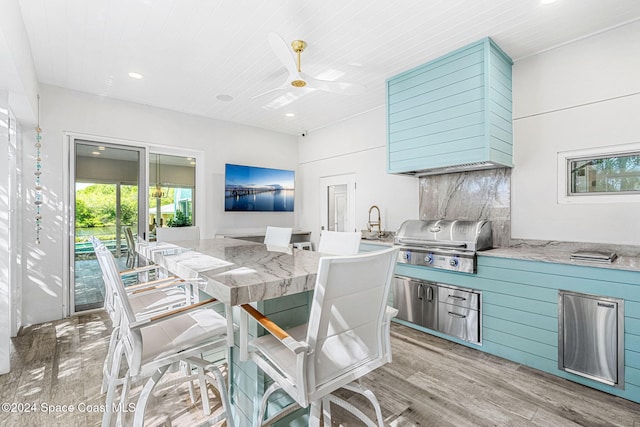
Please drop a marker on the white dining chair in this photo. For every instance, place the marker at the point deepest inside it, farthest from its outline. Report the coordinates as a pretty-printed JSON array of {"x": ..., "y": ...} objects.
[
  {"x": 278, "y": 236},
  {"x": 346, "y": 337},
  {"x": 339, "y": 242},
  {"x": 146, "y": 298},
  {"x": 131, "y": 247},
  {"x": 150, "y": 345},
  {"x": 172, "y": 234}
]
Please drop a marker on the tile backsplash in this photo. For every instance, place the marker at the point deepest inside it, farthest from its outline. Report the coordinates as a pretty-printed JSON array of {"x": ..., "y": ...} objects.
[{"x": 475, "y": 195}]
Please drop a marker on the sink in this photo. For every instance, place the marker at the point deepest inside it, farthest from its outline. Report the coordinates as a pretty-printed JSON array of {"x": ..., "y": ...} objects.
[
  {"x": 375, "y": 235},
  {"x": 370, "y": 235}
]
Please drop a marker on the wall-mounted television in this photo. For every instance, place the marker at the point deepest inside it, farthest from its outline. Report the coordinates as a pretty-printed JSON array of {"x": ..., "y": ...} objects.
[{"x": 250, "y": 188}]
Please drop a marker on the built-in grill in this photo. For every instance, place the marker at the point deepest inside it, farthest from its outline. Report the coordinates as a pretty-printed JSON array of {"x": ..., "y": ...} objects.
[{"x": 445, "y": 244}]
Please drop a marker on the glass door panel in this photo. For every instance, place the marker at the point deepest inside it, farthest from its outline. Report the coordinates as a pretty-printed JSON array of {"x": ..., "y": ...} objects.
[
  {"x": 172, "y": 181},
  {"x": 337, "y": 203},
  {"x": 107, "y": 179}
]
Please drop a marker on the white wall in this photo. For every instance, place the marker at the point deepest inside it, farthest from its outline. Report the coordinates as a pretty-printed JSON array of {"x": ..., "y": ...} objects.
[
  {"x": 5, "y": 256},
  {"x": 17, "y": 73},
  {"x": 18, "y": 92},
  {"x": 67, "y": 111},
  {"x": 582, "y": 95},
  {"x": 356, "y": 145}
]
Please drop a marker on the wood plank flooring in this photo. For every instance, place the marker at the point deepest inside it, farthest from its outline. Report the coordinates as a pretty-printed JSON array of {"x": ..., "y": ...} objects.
[{"x": 431, "y": 382}]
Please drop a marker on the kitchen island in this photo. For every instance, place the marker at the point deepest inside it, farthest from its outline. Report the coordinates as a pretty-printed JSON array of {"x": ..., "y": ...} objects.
[{"x": 277, "y": 280}]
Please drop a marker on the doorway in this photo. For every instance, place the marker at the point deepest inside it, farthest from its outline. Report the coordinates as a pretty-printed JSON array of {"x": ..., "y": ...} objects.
[
  {"x": 337, "y": 202},
  {"x": 106, "y": 198}
]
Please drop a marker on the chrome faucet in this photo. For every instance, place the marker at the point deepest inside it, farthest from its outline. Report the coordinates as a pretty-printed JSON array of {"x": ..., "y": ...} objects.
[{"x": 378, "y": 223}]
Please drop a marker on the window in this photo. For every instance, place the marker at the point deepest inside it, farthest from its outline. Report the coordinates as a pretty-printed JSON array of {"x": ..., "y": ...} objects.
[
  {"x": 172, "y": 181},
  {"x": 610, "y": 174}
]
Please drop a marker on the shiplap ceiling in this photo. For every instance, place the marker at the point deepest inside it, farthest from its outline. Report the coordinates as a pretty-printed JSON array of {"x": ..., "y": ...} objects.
[{"x": 191, "y": 51}]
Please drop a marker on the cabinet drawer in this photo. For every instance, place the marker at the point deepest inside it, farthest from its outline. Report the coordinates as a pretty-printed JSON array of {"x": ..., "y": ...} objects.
[
  {"x": 458, "y": 298},
  {"x": 459, "y": 322}
]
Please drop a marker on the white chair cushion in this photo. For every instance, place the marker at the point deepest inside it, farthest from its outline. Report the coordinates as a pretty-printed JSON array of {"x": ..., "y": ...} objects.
[
  {"x": 156, "y": 300},
  {"x": 284, "y": 358},
  {"x": 176, "y": 334}
]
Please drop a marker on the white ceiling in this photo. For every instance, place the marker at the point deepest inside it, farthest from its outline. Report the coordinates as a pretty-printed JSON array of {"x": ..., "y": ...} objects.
[{"x": 190, "y": 51}]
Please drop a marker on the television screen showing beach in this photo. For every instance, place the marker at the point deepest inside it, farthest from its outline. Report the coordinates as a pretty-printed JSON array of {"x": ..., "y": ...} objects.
[{"x": 250, "y": 188}]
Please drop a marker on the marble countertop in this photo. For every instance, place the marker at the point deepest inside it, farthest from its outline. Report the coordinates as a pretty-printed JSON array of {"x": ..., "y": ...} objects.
[
  {"x": 386, "y": 241},
  {"x": 239, "y": 272},
  {"x": 560, "y": 252},
  {"x": 258, "y": 233}
]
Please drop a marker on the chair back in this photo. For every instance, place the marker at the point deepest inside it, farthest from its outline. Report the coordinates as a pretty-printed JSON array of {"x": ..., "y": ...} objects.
[
  {"x": 109, "y": 302},
  {"x": 131, "y": 246},
  {"x": 340, "y": 242},
  {"x": 131, "y": 242},
  {"x": 278, "y": 236},
  {"x": 125, "y": 315},
  {"x": 172, "y": 234},
  {"x": 346, "y": 330}
]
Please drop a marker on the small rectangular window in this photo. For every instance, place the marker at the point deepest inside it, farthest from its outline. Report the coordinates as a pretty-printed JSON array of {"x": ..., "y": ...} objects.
[
  {"x": 600, "y": 175},
  {"x": 605, "y": 175}
]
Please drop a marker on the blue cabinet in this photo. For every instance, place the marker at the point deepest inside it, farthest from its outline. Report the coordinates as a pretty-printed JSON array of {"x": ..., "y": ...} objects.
[
  {"x": 520, "y": 310},
  {"x": 452, "y": 111}
]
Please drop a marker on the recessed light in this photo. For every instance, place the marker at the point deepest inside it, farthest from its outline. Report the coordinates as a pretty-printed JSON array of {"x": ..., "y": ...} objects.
[
  {"x": 224, "y": 97},
  {"x": 101, "y": 148},
  {"x": 135, "y": 75},
  {"x": 290, "y": 114},
  {"x": 95, "y": 153}
]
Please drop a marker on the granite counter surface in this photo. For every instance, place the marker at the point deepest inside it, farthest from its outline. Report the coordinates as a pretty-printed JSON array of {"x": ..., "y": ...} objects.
[
  {"x": 560, "y": 252},
  {"x": 239, "y": 272}
]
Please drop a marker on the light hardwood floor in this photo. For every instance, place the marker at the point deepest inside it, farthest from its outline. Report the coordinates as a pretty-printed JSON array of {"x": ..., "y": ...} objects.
[{"x": 431, "y": 382}]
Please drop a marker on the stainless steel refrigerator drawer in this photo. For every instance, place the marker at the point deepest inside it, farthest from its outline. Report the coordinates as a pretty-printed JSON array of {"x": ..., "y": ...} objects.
[
  {"x": 459, "y": 297},
  {"x": 591, "y": 337}
]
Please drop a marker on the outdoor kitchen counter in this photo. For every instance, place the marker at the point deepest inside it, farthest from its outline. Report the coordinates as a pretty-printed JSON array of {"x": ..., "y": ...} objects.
[{"x": 560, "y": 252}]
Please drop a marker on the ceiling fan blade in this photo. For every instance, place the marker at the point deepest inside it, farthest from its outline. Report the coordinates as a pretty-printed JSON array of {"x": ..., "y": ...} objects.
[
  {"x": 275, "y": 89},
  {"x": 334, "y": 86},
  {"x": 283, "y": 52}
]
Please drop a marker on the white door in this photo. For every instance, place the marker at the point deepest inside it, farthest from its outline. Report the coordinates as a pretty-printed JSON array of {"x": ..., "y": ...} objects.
[{"x": 337, "y": 202}]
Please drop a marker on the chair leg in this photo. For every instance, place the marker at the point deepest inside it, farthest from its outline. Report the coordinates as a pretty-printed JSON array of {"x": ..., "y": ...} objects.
[
  {"x": 314, "y": 413},
  {"x": 204, "y": 395},
  {"x": 186, "y": 371},
  {"x": 124, "y": 397},
  {"x": 138, "y": 418},
  {"x": 113, "y": 380},
  {"x": 220, "y": 384},
  {"x": 224, "y": 396},
  {"x": 356, "y": 387},
  {"x": 326, "y": 411},
  {"x": 106, "y": 367},
  {"x": 263, "y": 403}
]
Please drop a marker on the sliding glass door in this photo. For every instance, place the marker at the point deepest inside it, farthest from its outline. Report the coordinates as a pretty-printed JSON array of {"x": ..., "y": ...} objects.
[{"x": 109, "y": 196}]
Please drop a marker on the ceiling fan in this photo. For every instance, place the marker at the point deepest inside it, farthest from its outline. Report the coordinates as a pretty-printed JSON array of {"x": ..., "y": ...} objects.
[{"x": 297, "y": 78}]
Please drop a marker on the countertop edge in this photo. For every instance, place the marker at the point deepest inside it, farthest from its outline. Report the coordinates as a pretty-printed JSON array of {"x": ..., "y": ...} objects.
[{"x": 627, "y": 263}]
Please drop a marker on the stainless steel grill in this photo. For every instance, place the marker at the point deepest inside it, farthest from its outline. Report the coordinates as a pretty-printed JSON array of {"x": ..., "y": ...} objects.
[{"x": 445, "y": 244}]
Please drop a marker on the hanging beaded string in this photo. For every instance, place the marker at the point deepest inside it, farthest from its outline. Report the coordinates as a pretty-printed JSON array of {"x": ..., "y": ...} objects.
[{"x": 37, "y": 173}]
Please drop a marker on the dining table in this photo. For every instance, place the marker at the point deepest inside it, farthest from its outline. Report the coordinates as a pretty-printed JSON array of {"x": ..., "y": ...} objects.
[{"x": 278, "y": 281}]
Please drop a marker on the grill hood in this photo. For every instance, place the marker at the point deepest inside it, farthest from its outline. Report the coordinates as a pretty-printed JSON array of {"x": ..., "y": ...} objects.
[
  {"x": 465, "y": 167},
  {"x": 455, "y": 234}
]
